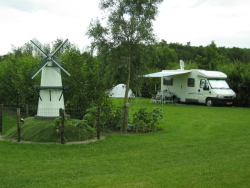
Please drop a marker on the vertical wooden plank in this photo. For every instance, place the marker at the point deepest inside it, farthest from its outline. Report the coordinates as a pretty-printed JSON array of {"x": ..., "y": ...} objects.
[
  {"x": 1, "y": 118},
  {"x": 98, "y": 122},
  {"x": 18, "y": 125},
  {"x": 62, "y": 131}
]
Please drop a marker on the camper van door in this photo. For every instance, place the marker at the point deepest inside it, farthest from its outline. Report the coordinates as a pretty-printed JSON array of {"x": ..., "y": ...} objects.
[{"x": 204, "y": 90}]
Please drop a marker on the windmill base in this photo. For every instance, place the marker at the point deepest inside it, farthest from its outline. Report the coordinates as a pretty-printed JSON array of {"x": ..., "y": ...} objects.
[{"x": 50, "y": 117}]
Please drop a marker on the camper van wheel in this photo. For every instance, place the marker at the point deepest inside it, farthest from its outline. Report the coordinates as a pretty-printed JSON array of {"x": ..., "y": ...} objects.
[
  {"x": 175, "y": 100},
  {"x": 209, "y": 102}
]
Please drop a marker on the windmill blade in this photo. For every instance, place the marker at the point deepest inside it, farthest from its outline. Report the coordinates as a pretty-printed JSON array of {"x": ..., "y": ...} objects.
[
  {"x": 38, "y": 45},
  {"x": 57, "y": 69},
  {"x": 40, "y": 69},
  {"x": 66, "y": 41},
  {"x": 57, "y": 59},
  {"x": 61, "y": 67}
]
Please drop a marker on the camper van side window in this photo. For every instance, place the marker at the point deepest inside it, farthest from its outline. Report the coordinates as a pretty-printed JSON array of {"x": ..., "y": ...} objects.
[
  {"x": 190, "y": 82},
  {"x": 168, "y": 81}
]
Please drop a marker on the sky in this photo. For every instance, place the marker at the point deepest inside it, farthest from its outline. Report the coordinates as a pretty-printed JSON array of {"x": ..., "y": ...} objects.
[{"x": 226, "y": 22}]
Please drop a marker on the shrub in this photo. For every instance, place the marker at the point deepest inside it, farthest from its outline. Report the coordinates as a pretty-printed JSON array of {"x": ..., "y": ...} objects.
[
  {"x": 110, "y": 117},
  {"x": 75, "y": 129},
  {"x": 144, "y": 121}
]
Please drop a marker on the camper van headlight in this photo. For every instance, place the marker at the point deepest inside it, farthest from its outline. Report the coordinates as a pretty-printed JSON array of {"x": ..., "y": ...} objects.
[{"x": 220, "y": 96}]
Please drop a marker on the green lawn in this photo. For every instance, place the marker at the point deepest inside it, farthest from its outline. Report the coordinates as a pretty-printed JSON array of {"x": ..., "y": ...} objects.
[
  {"x": 199, "y": 147},
  {"x": 9, "y": 119}
]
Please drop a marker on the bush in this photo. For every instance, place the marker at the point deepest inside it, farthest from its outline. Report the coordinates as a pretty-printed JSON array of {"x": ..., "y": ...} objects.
[
  {"x": 144, "y": 121},
  {"x": 239, "y": 80},
  {"x": 110, "y": 116}
]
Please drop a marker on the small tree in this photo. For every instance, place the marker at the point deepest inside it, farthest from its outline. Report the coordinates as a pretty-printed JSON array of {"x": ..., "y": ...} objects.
[{"x": 121, "y": 43}]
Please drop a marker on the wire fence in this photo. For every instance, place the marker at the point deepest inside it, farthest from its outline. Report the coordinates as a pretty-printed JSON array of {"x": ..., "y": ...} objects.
[{"x": 47, "y": 124}]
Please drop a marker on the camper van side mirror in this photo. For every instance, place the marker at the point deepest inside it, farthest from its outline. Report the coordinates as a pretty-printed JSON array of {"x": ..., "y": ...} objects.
[{"x": 205, "y": 88}]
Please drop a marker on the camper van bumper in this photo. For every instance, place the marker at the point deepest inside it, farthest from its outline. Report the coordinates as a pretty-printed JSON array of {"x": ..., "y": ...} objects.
[{"x": 219, "y": 101}]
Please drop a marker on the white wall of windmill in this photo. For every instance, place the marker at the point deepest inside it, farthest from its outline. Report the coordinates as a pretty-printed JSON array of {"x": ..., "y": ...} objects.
[{"x": 50, "y": 104}]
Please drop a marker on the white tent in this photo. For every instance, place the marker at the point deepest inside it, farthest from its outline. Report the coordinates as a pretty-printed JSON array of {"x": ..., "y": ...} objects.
[{"x": 119, "y": 91}]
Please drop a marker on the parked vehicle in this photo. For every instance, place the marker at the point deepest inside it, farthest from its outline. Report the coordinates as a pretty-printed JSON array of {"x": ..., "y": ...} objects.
[{"x": 196, "y": 86}]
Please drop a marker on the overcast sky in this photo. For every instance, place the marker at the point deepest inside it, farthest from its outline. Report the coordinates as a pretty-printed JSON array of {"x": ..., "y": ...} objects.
[{"x": 226, "y": 22}]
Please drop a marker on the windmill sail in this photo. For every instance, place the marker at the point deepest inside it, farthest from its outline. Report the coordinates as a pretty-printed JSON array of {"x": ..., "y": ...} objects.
[
  {"x": 39, "y": 46},
  {"x": 43, "y": 64},
  {"x": 61, "y": 67},
  {"x": 60, "y": 47},
  {"x": 57, "y": 59},
  {"x": 50, "y": 57}
]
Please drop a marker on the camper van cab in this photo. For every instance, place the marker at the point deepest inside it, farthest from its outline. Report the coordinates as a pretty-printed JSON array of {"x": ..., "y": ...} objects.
[{"x": 196, "y": 86}]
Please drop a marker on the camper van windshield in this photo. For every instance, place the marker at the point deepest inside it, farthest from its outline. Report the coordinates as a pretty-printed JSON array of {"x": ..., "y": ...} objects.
[{"x": 218, "y": 84}]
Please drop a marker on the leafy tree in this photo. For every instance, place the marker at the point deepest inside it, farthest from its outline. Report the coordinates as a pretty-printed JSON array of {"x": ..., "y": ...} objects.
[
  {"x": 121, "y": 42},
  {"x": 211, "y": 58},
  {"x": 164, "y": 56},
  {"x": 185, "y": 52},
  {"x": 15, "y": 83},
  {"x": 86, "y": 84},
  {"x": 56, "y": 43},
  {"x": 239, "y": 80}
]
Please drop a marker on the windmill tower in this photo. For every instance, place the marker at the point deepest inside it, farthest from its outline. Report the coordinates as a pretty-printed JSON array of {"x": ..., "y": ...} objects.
[{"x": 51, "y": 88}]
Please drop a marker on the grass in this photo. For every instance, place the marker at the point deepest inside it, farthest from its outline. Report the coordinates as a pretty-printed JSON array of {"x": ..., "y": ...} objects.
[
  {"x": 9, "y": 120},
  {"x": 198, "y": 147}
]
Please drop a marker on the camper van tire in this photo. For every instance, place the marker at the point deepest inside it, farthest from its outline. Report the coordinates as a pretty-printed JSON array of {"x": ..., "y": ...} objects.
[
  {"x": 175, "y": 100},
  {"x": 209, "y": 102}
]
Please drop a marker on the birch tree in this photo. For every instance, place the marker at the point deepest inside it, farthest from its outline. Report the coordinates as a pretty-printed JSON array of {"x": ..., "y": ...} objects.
[{"x": 121, "y": 42}]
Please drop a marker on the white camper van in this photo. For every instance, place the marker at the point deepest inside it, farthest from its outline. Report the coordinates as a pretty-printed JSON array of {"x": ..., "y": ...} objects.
[{"x": 196, "y": 86}]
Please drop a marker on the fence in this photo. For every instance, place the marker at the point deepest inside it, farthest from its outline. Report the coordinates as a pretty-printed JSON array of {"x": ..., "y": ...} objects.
[
  {"x": 62, "y": 128},
  {"x": 1, "y": 118}
]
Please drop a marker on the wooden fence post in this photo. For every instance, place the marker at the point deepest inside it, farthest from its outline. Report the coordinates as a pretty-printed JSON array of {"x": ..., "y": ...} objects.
[
  {"x": 1, "y": 118},
  {"x": 18, "y": 125},
  {"x": 62, "y": 131},
  {"x": 98, "y": 122}
]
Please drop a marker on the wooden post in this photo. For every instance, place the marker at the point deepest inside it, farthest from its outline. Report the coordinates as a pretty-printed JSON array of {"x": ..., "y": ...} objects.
[
  {"x": 125, "y": 119},
  {"x": 18, "y": 125},
  {"x": 1, "y": 118},
  {"x": 98, "y": 122},
  {"x": 62, "y": 131}
]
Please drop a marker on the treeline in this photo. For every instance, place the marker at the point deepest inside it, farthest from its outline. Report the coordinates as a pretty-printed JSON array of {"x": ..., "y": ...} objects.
[{"x": 89, "y": 78}]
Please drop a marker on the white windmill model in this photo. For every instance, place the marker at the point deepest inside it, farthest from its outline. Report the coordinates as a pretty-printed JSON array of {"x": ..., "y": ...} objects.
[{"x": 51, "y": 89}]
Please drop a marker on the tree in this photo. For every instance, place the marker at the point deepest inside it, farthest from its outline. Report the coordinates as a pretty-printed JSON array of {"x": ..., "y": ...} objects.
[
  {"x": 239, "y": 80},
  {"x": 211, "y": 58},
  {"x": 15, "y": 83},
  {"x": 121, "y": 42},
  {"x": 165, "y": 56},
  {"x": 85, "y": 83}
]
